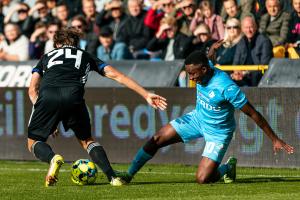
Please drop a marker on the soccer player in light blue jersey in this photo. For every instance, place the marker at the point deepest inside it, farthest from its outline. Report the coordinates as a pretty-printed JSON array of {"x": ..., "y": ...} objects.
[{"x": 213, "y": 119}]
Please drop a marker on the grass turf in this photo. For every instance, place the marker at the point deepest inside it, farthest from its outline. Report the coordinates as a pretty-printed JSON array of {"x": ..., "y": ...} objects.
[{"x": 25, "y": 180}]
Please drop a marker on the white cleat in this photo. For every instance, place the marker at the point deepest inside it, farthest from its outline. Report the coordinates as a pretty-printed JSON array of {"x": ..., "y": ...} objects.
[{"x": 117, "y": 181}]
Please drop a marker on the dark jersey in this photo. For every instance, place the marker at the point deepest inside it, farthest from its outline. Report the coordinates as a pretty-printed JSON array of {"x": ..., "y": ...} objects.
[{"x": 67, "y": 66}]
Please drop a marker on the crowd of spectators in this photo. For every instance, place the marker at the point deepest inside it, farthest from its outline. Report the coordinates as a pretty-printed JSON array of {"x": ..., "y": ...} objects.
[{"x": 230, "y": 32}]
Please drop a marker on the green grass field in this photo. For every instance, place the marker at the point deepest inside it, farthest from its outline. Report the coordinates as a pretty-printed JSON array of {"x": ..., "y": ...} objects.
[{"x": 25, "y": 180}]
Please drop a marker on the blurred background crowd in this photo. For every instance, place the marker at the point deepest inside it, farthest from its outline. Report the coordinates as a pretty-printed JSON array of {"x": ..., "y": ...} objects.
[{"x": 230, "y": 32}]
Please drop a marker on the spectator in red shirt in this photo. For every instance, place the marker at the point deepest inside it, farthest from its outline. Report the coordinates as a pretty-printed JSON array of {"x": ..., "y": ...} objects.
[{"x": 160, "y": 9}]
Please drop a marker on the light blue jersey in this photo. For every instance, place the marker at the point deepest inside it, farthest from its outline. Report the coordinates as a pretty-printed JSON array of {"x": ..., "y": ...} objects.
[
  {"x": 213, "y": 117},
  {"x": 216, "y": 103}
]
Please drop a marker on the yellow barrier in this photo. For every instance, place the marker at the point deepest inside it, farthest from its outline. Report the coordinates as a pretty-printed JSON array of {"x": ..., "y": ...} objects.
[{"x": 261, "y": 68}]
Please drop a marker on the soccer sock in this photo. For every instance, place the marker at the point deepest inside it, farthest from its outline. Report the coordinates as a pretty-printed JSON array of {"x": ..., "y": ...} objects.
[
  {"x": 139, "y": 161},
  {"x": 42, "y": 151},
  {"x": 98, "y": 155},
  {"x": 223, "y": 169}
]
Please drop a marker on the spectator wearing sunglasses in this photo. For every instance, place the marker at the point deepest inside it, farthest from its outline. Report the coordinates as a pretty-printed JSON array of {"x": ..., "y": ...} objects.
[
  {"x": 203, "y": 38},
  {"x": 88, "y": 41},
  {"x": 41, "y": 40},
  {"x": 52, "y": 28},
  {"x": 43, "y": 15},
  {"x": 7, "y": 7},
  {"x": 223, "y": 51},
  {"x": 159, "y": 10},
  {"x": 113, "y": 16},
  {"x": 22, "y": 10},
  {"x": 37, "y": 41},
  {"x": 187, "y": 8},
  {"x": 175, "y": 46}
]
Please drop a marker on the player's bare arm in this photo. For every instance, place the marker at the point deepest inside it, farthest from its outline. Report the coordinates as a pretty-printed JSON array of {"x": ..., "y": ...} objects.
[
  {"x": 154, "y": 100},
  {"x": 278, "y": 144},
  {"x": 34, "y": 87}
]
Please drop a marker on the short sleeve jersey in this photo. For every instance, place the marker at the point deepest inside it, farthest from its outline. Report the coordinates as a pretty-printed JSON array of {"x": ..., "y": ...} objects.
[
  {"x": 67, "y": 66},
  {"x": 216, "y": 102}
]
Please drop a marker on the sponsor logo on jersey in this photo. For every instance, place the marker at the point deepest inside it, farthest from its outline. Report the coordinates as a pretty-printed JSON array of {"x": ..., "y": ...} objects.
[
  {"x": 207, "y": 106},
  {"x": 211, "y": 94},
  {"x": 200, "y": 95}
]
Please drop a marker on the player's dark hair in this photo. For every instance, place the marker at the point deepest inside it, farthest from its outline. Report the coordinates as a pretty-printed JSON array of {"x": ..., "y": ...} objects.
[
  {"x": 67, "y": 36},
  {"x": 197, "y": 58}
]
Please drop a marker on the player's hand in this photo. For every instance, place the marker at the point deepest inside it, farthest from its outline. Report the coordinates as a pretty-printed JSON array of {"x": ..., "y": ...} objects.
[
  {"x": 198, "y": 14},
  {"x": 237, "y": 75},
  {"x": 156, "y": 101},
  {"x": 279, "y": 145}
]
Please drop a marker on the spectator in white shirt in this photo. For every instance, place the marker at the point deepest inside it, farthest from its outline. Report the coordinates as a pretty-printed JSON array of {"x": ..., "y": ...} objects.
[{"x": 14, "y": 47}]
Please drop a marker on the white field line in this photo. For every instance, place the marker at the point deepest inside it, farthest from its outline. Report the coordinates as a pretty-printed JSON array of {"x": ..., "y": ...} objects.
[{"x": 142, "y": 172}]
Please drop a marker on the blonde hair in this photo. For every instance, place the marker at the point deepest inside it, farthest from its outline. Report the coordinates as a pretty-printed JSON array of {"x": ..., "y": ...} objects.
[
  {"x": 229, "y": 42},
  {"x": 171, "y": 21},
  {"x": 206, "y": 4},
  {"x": 200, "y": 27}
]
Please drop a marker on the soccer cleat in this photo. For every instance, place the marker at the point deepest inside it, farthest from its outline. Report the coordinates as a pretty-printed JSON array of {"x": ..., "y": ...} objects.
[
  {"x": 117, "y": 181},
  {"x": 124, "y": 176},
  {"x": 230, "y": 176},
  {"x": 52, "y": 175}
]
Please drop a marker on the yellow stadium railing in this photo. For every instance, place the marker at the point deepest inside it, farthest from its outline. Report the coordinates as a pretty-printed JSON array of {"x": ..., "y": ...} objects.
[{"x": 261, "y": 68}]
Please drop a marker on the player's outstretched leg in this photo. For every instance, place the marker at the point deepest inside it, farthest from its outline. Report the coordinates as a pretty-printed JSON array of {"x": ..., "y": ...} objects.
[
  {"x": 165, "y": 136},
  {"x": 230, "y": 175},
  {"x": 98, "y": 155},
  {"x": 43, "y": 152}
]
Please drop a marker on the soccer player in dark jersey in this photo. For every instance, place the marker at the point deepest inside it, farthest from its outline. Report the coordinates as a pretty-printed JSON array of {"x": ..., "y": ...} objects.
[
  {"x": 212, "y": 119},
  {"x": 56, "y": 90}
]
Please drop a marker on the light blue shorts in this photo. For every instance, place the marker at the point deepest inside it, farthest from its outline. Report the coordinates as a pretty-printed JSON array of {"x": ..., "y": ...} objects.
[{"x": 189, "y": 128}]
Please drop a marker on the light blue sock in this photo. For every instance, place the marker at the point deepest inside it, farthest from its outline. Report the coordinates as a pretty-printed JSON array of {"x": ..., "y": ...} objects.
[
  {"x": 139, "y": 161},
  {"x": 223, "y": 169}
]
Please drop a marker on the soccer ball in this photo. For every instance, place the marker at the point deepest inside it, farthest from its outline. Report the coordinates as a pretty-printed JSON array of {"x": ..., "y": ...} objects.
[{"x": 84, "y": 172}]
